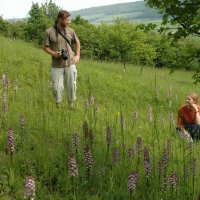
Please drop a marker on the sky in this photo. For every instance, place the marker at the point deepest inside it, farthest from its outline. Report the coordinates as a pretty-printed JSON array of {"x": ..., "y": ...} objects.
[{"x": 10, "y": 9}]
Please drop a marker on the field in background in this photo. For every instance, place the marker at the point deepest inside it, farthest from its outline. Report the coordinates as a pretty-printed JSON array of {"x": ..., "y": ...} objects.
[
  {"x": 133, "y": 11},
  {"x": 139, "y": 107}
]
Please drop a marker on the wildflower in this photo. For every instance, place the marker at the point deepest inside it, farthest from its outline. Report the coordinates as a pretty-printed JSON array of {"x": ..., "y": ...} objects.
[
  {"x": 193, "y": 166},
  {"x": 147, "y": 168},
  {"x": 168, "y": 146},
  {"x": 86, "y": 105},
  {"x": 122, "y": 121},
  {"x": 15, "y": 88},
  {"x": 3, "y": 78},
  {"x": 132, "y": 181},
  {"x": 7, "y": 82},
  {"x": 91, "y": 100},
  {"x": 91, "y": 135},
  {"x": 131, "y": 152},
  {"x": 166, "y": 183},
  {"x": 88, "y": 160},
  {"x": 139, "y": 144},
  {"x": 146, "y": 154},
  {"x": 147, "y": 165},
  {"x": 115, "y": 156},
  {"x": 108, "y": 136},
  {"x": 85, "y": 129},
  {"x": 171, "y": 119},
  {"x": 150, "y": 113},
  {"x": 4, "y": 107},
  {"x": 29, "y": 188},
  {"x": 4, "y": 96},
  {"x": 165, "y": 158},
  {"x": 96, "y": 108},
  {"x": 162, "y": 120},
  {"x": 10, "y": 141},
  {"x": 160, "y": 167},
  {"x": 73, "y": 170},
  {"x": 75, "y": 140},
  {"x": 102, "y": 171},
  {"x": 186, "y": 172},
  {"x": 157, "y": 91},
  {"x": 135, "y": 116},
  {"x": 170, "y": 92},
  {"x": 174, "y": 180},
  {"x": 21, "y": 121}
]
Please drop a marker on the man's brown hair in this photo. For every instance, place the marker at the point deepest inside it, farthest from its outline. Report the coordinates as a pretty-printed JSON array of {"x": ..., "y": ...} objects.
[{"x": 62, "y": 14}]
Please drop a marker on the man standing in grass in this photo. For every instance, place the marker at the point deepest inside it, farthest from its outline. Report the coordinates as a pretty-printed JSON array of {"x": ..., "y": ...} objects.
[{"x": 57, "y": 43}]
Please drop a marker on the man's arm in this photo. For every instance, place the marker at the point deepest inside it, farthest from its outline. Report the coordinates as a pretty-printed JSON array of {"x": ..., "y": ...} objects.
[
  {"x": 46, "y": 46},
  {"x": 77, "y": 48},
  {"x": 55, "y": 54},
  {"x": 77, "y": 53}
]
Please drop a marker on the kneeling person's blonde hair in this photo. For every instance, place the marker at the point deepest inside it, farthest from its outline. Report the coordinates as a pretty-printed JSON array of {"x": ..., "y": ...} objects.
[{"x": 194, "y": 96}]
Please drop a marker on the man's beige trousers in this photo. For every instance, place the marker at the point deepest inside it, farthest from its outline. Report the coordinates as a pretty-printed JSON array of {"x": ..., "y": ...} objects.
[{"x": 64, "y": 76}]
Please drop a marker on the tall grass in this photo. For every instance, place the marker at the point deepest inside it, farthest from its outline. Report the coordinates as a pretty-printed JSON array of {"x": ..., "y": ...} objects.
[{"x": 135, "y": 106}]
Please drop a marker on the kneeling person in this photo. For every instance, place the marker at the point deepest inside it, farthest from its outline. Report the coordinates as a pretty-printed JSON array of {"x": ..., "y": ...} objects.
[{"x": 189, "y": 118}]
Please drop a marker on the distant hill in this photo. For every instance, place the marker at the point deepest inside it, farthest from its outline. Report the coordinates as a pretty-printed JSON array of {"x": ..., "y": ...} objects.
[
  {"x": 133, "y": 11},
  {"x": 15, "y": 20}
]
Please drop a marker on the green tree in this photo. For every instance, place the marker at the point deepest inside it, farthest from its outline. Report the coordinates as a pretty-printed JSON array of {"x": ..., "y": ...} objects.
[
  {"x": 127, "y": 44},
  {"x": 102, "y": 50},
  {"x": 50, "y": 9},
  {"x": 87, "y": 35},
  {"x": 37, "y": 23},
  {"x": 16, "y": 30},
  {"x": 185, "y": 14},
  {"x": 121, "y": 44},
  {"x": 3, "y": 25},
  {"x": 78, "y": 20}
]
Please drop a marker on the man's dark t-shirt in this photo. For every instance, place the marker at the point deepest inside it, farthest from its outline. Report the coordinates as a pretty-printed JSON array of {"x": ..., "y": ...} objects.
[{"x": 57, "y": 42}]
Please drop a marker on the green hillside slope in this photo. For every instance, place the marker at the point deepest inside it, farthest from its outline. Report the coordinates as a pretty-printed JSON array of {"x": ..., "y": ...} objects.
[
  {"x": 135, "y": 105},
  {"x": 134, "y": 11}
]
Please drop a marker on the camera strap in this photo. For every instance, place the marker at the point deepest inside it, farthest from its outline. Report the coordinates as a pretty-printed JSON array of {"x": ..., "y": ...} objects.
[{"x": 64, "y": 36}]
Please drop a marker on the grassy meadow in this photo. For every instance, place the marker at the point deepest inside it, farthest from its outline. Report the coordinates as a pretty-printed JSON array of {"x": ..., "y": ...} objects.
[{"x": 123, "y": 144}]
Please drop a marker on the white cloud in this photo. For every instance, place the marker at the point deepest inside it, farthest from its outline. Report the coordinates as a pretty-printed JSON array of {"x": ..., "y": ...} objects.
[{"x": 19, "y": 8}]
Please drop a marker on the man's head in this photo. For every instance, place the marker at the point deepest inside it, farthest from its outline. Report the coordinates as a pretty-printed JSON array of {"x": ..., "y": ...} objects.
[{"x": 63, "y": 18}]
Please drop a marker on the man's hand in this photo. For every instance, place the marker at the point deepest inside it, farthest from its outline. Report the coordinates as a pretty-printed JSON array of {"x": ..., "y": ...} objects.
[
  {"x": 76, "y": 59},
  {"x": 57, "y": 54}
]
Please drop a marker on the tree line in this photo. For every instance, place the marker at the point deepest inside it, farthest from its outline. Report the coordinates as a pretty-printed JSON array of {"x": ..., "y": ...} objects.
[{"x": 121, "y": 41}]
